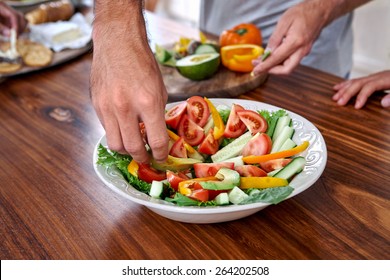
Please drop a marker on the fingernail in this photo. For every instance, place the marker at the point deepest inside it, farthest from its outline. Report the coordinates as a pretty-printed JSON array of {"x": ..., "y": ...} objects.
[
  {"x": 358, "y": 104},
  {"x": 385, "y": 102}
]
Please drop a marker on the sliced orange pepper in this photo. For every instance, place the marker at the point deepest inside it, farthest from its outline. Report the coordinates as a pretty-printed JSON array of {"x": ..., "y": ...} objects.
[
  {"x": 239, "y": 57},
  {"x": 186, "y": 186},
  {"x": 282, "y": 154},
  {"x": 262, "y": 182},
  {"x": 219, "y": 126},
  {"x": 133, "y": 168}
]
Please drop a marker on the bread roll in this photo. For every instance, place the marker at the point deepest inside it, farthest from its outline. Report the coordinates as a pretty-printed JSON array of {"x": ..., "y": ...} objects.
[{"x": 51, "y": 12}]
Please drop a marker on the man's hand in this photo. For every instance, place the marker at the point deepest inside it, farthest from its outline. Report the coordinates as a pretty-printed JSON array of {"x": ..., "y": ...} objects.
[
  {"x": 363, "y": 88},
  {"x": 126, "y": 83},
  {"x": 296, "y": 32}
]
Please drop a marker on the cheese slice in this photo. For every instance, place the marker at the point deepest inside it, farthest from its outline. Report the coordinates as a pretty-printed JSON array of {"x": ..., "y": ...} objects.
[{"x": 54, "y": 33}]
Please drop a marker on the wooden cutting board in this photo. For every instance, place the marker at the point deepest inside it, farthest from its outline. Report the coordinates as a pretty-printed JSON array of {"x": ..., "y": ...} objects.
[{"x": 224, "y": 84}]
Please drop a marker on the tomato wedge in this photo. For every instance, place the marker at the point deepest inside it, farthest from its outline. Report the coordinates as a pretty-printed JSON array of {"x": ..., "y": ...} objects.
[
  {"x": 203, "y": 170},
  {"x": 192, "y": 133},
  {"x": 234, "y": 127},
  {"x": 200, "y": 195},
  {"x": 148, "y": 174},
  {"x": 259, "y": 145},
  {"x": 178, "y": 149},
  {"x": 173, "y": 116},
  {"x": 209, "y": 145},
  {"x": 175, "y": 178},
  {"x": 274, "y": 164},
  {"x": 198, "y": 110},
  {"x": 250, "y": 171},
  {"x": 253, "y": 121}
]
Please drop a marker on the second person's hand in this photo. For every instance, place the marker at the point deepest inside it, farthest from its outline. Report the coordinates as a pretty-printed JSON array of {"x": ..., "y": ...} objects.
[{"x": 11, "y": 19}]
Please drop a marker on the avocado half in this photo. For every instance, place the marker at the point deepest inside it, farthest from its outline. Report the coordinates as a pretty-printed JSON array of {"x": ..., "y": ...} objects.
[{"x": 198, "y": 67}]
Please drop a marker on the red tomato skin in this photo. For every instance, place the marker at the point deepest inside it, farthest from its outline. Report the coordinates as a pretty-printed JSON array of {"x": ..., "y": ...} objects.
[
  {"x": 197, "y": 110},
  {"x": 234, "y": 126},
  {"x": 192, "y": 133},
  {"x": 174, "y": 115},
  {"x": 148, "y": 174},
  {"x": 178, "y": 149},
  {"x": 253, "y": 121},
  {"x": 175, "y": 178},
  {"x": 209, "y": 145},
  {"x": 259, "y": 145},
  {"x": 214, "y": 193},
  {"x": 210, "y": 169},
  {"x": 250, "y": 171},
  {"x": 274, "y": 164},
  {"x": 200, "y": 195}
]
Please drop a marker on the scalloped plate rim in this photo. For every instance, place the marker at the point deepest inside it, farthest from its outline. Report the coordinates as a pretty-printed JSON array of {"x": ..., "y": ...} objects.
[{"x": 195, "y": 210}]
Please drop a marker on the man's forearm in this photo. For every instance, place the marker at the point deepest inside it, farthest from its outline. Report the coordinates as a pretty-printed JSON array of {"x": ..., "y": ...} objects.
[
  {"x": 333, "y": 9},
  {"x": 120, "y": 18}
]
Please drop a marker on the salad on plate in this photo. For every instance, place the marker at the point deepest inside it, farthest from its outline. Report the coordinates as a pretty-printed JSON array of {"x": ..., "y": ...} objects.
[{"x": 218, "y": 156}]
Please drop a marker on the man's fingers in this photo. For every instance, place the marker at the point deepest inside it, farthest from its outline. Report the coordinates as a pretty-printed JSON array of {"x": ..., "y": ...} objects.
[{"x": 386, "y": 101}]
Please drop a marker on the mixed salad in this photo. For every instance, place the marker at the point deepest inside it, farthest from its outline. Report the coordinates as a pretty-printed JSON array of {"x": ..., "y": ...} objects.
[{"x": 218, "y": 156}]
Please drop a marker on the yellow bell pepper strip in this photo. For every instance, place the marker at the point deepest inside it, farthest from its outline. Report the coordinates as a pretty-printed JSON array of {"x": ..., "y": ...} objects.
[
  {"x": 133, "y": 168},
  {"x": 219, "y": 126},
  {"x": 239, "y": 57},
  {"x": 262, "y": 182},
  {"x": 186, "y": 186},
  {"x": 282, "y": 154},
  {"x": 202, "y": 37},
  {"x": 176, "y": 137}
]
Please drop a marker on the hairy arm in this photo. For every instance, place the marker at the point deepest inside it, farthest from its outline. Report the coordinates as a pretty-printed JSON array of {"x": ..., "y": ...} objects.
[{"x": 126, "y": 84}]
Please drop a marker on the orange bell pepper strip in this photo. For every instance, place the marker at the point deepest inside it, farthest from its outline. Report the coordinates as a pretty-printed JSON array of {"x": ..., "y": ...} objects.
[
  {"x": 176, "y": 137},
  {"x": 262, "y": 182},
  {"x": 239, "y": 57},
  {"x": 219, "y": 126},
  {"x": 133, "y": 168},
  {"x": 186, "y": 186},
  {"x": 282, "y": 154}
]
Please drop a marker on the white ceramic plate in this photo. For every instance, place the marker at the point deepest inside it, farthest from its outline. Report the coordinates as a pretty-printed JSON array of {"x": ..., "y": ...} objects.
[{"x": 316, "y": 156}]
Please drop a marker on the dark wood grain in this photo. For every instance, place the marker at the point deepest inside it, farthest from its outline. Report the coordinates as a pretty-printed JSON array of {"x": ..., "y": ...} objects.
[{"x": 53, "y": 206}]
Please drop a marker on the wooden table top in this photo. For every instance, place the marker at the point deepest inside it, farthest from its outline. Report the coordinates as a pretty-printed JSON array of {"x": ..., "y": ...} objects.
[{"x": 53, "y": 205}]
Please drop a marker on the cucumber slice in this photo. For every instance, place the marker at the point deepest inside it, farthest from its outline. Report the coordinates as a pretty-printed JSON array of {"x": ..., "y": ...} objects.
[
  {"x": 205, "y": 48},
  {"x": 162, "y": 55},
  {"x": 286, "y": 133},
  {"x": 233, "y": 149},
  {"x": 222, "y": 199},
  {"x": 294, "y": 167},
  {"x": 272, "y": 173},
  {"x": 271, "y": 127},
  {"x": 156, "y": 189},
  {"x": 288, "y": 145},
  {"x": 282, "y": 122},
  {"x": 236, "y": 160},
  {"x": 236, "y": 195},
  {"x": 209, "y": 125}
]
